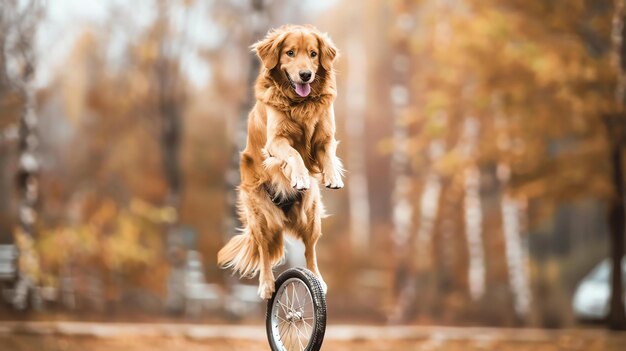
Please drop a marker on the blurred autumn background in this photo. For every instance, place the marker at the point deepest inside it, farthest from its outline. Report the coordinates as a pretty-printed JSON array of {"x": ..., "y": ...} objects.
[{"x": 483, "y": 142}]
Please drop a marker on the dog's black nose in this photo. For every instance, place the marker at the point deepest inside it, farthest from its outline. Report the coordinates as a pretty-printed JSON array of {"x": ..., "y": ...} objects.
[{"x": 305, "y": 76}]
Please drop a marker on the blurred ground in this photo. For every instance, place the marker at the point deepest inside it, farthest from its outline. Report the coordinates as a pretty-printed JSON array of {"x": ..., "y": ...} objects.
[{"x": 156, "y": 337}]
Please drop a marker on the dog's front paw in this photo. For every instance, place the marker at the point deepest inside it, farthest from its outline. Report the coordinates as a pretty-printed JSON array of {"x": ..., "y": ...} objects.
[
  {"x": 332, "y": 180},
  {"x": 300, "y": 180},
  {"x": 297, "y": 173},
  {"x": 266, "y": 289}
]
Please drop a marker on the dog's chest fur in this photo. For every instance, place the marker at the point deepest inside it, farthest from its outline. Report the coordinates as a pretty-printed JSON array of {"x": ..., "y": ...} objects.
[{"x": 304, "y": 131}]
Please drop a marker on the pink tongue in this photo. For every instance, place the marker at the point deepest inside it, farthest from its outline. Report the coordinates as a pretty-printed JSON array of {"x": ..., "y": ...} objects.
[{"x": 303, "y": 89}]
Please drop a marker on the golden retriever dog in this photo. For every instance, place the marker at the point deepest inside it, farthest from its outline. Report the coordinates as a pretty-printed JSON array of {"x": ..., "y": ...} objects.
[{"x": 291, "y": 146}]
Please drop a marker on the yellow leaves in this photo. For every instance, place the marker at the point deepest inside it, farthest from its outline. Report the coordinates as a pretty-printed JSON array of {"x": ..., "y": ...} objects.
[
  {"x": 435, "y": 102},
  {"x": 435, "y": 126},
  {"x": 118, "y": 238},
  {"x": 125, "y": 247},
  {"x": 105, "y": 213},
  {"x": 491, "y": 25},
  {"x": 449, "y": 164},
  {"x": 153, "y": 213},
  {"x": 590, "y": 73},
  {"x": 544, "y": 65},
  {"x": 552, "y": 86},
  {"x": 70, "y": 243},
  {"x": 28, "y": 259}
]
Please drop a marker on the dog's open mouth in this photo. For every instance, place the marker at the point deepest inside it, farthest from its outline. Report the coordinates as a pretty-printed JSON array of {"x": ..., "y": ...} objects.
[{"x": 302, "y": 89}]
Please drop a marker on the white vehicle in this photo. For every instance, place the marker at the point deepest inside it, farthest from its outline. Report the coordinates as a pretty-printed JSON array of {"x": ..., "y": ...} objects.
[{"x": 591, "y": 300}]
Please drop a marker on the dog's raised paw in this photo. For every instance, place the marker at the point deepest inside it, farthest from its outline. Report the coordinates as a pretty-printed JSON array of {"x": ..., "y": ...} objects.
[
  {"x": 334, "y": 182},
  {"x": 266, "y": 289},
  {"x": 301, "y": 182}
]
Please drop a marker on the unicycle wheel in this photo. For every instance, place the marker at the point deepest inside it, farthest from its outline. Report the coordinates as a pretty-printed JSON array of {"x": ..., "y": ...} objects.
[{"x": 296, "y": 313}]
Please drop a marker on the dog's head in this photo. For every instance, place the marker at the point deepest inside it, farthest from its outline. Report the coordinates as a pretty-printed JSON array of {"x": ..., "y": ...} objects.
[{"x": 297, "y": 54}]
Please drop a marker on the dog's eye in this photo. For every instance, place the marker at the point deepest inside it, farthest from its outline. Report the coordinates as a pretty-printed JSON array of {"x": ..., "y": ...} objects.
[
  {"x": 313, "y": 53},
  {"x": 290, "y": 53}
]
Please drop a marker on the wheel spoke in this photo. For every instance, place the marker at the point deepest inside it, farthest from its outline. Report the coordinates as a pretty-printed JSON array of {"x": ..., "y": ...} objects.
[
  {"x": 282, "y": 335},
  {"x": 287, "y": 335},
  {"x": 301, "y": 333},
  {"x": 285, "y": 308},
  {"x": 308, "y": 325},
  {"x": 298, "y": 336},
  {"x": 286, "y": 293},
  {"x": 304, "y": 330},
  {"x": 305, "y": 300},
  {"x": 297, "y": 298},
  {"x": 293, "y": 340}
]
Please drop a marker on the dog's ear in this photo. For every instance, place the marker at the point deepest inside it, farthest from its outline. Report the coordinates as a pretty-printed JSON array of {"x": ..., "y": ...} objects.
[
  {"x": 328, "y": 50},
  {"x": 268, "y": 48}
]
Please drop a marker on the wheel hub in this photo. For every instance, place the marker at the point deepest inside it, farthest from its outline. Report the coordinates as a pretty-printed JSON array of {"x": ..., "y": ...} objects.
[{"x": 294, "y": 316}]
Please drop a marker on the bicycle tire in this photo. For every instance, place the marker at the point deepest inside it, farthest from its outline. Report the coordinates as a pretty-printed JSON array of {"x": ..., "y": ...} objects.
[{"x": 318, "y": 298}]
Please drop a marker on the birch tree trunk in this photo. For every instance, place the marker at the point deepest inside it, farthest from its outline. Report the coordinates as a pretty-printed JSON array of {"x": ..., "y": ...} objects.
[
  {"x": 516, "y": 251},
  {"x": 429, "y": 208},
  {"x": 473, "y": 214},
  {"x": 513, "y": 212},
  {"x": 432, "y": 192},
  {"x": 473, "y": 230},
  {"x": 22, "y": 20},
  {"x": 402, "y": 208},
  {"x": 358, "y": 191}
]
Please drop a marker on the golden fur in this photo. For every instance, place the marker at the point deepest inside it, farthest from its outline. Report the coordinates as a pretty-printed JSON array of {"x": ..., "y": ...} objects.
[{"x": 291, "y": 146}]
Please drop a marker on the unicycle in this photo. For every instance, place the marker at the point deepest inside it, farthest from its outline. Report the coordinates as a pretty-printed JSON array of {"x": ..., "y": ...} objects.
[{"x": 296, "y": 313}]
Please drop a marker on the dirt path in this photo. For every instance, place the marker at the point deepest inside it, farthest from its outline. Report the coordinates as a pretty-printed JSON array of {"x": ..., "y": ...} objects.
[{"x": 66, "y": 336}]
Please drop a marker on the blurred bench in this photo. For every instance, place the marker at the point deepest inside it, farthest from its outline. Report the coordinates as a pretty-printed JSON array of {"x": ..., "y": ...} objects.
[
  {"x": 8, "y": 271},
  {"x": 8, "y": 257}
]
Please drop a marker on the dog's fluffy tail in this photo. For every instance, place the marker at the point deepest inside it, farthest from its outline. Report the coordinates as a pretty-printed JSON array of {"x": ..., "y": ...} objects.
[{"x": 241, "y": 254}]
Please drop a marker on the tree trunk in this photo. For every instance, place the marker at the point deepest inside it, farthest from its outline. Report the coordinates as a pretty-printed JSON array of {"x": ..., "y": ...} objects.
[
  {"x": 473, "y": 214},
  {"x": 23, "y": 20},
  {"x": 171, "y": 126},
  {"x": 169, "y": 105},
  {"x": 28, "y": 163},
  {"x": 401, "y": 203},
  {"x": 517, "y": 259},
  {"x": 474, "y": 232},
  {"x": 617, "y": 316},
  {"x": 358, "y": 192},
  {"x": 615, "y": 129},
  {"x": 239, "y": 130},
  {"x": 429, "y": 211}
]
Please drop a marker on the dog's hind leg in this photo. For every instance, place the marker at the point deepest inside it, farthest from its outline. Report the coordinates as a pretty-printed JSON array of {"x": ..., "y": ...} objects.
[
  {"x": 312, "y": 233},
  {"x": 266, "y": 276},
  {"x": 269, "y": 241}
]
